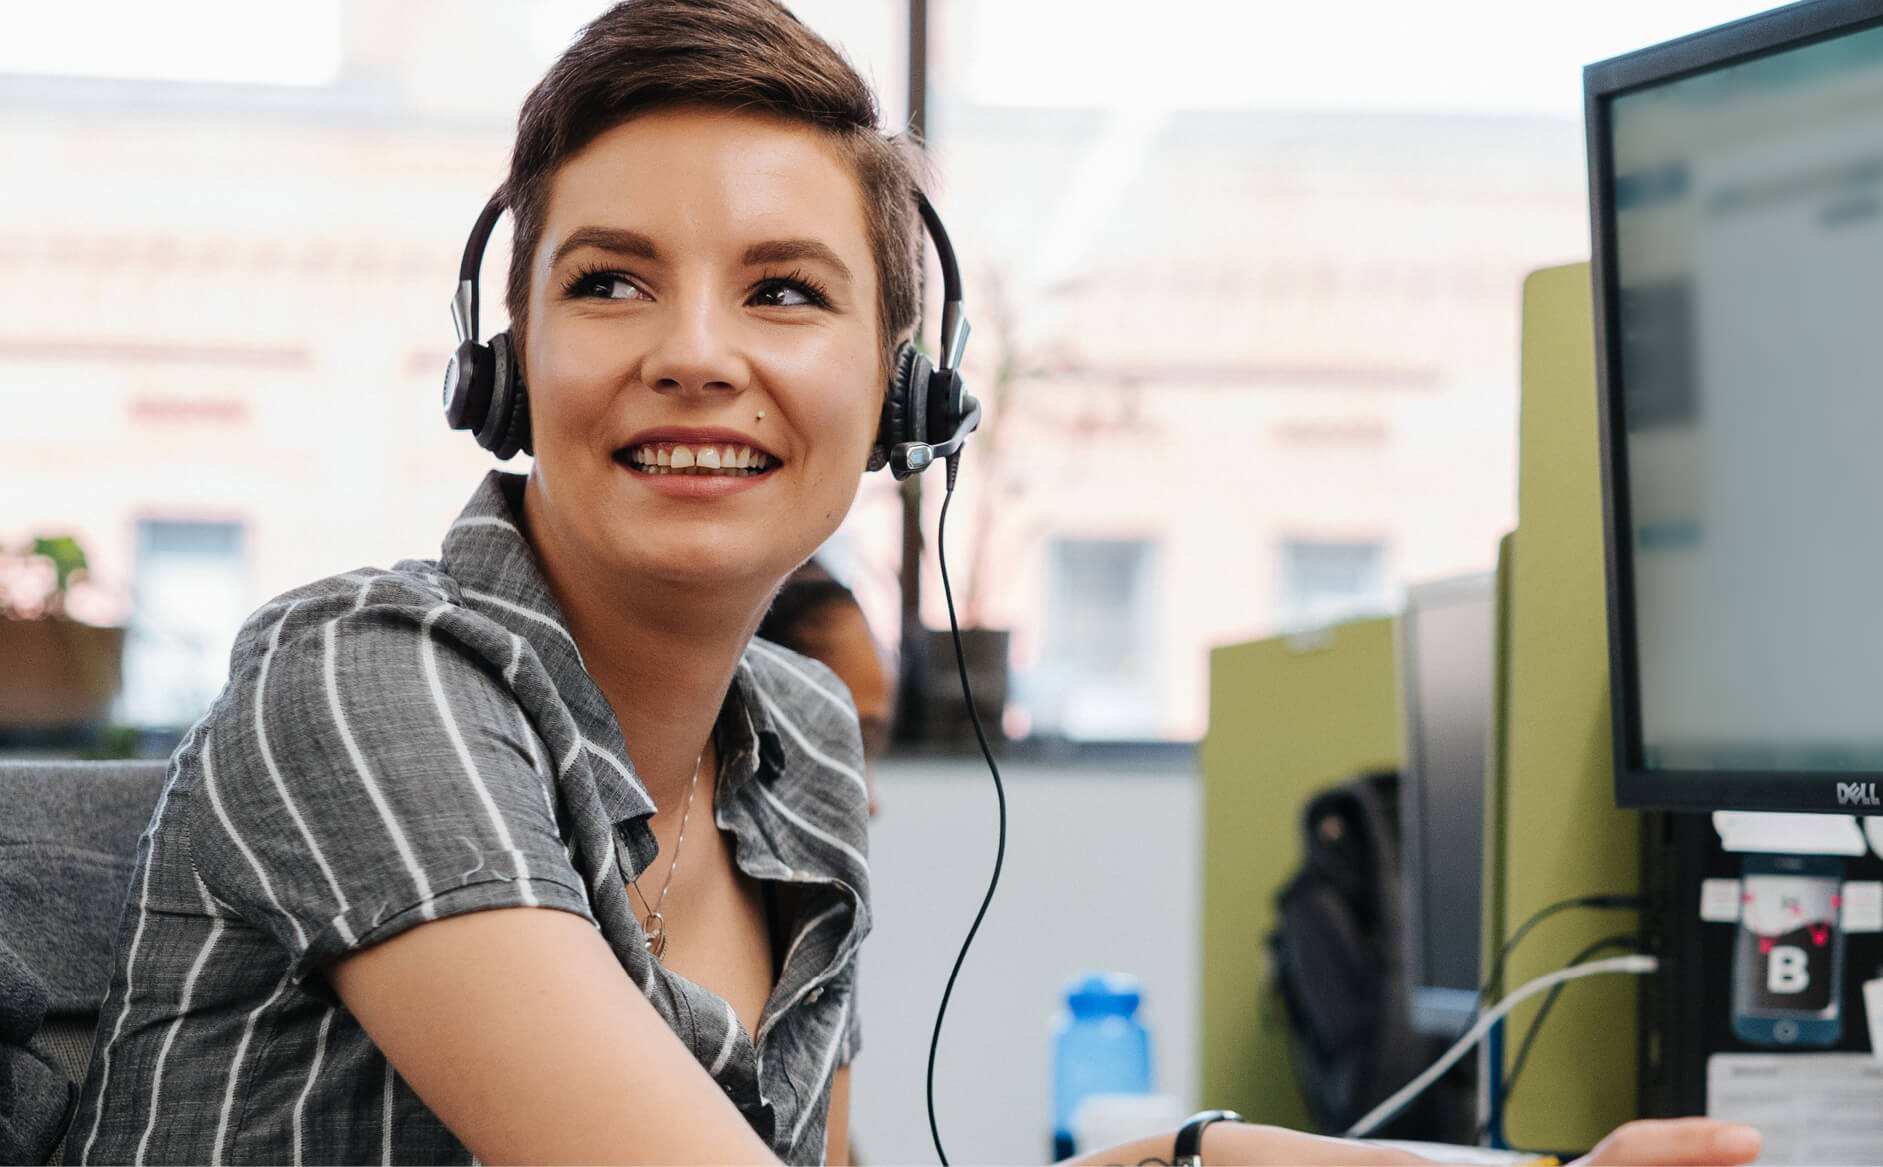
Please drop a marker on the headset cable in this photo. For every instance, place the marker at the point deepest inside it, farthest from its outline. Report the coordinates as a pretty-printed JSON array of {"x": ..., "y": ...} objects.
[{"x": 1000, "y": 794}]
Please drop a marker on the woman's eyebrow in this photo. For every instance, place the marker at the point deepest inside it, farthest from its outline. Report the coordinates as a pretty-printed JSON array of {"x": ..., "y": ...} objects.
[
  {"x": 616, "y": 239},
  {"x": 794, "y": 250}
]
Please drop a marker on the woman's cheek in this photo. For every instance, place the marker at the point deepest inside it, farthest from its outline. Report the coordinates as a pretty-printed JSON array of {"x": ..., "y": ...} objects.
[{"x": 572, "y": 382}]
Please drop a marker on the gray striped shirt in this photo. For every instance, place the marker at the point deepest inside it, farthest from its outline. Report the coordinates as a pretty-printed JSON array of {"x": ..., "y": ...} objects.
[{"x": 398, "y": 746}]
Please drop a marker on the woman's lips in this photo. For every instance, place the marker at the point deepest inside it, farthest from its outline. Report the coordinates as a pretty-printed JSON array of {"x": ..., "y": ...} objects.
[{"x": 693, "y": 482}]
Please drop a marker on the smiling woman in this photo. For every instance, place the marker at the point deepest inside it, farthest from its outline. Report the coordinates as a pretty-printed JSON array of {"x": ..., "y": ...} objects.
[{"x": 390, "y": 905}]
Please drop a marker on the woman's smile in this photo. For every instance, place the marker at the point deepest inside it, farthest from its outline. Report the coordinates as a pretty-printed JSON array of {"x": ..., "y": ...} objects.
[{"x": 696, "y": 463}]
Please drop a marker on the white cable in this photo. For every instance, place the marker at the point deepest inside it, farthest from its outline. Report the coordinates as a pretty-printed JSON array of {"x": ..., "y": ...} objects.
[{"x": 1636, "y": 964}]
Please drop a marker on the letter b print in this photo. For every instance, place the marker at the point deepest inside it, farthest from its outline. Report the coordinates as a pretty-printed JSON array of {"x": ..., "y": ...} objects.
[{"x": 1787, "y": 970}]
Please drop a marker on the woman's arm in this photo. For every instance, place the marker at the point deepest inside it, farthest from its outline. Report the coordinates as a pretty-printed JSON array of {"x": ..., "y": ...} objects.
[
  {"x": 520, "y": 1030},
  {"x": 1253, "y": 1143},
  {"x": 1692, "y": 1141}
]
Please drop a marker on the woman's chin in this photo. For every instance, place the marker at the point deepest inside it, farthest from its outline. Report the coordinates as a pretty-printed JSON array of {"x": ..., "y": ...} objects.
[{"x": 711, "y": 561}]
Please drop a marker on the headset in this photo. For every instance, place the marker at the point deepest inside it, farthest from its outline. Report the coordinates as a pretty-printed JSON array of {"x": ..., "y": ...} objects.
[{"x": 484, "y": 390}]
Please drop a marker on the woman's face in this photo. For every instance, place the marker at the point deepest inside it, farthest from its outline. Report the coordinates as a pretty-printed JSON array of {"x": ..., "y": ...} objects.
[{"x": 701, "y": 354}]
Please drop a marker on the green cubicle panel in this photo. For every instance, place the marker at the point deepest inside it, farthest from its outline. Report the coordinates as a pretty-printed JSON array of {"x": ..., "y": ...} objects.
[
  {"x": 1561, "y": 834},
  {"x": 1497, "y": 767},
  {"x": 1288, "y": 717}
]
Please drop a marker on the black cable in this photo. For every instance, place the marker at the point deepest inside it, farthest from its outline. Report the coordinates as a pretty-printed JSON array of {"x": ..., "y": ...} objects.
[
  {"x": 1627, "y": 940},
  {"x": 1493, "y": 987},
  {"x": 1000, "y": 793}
]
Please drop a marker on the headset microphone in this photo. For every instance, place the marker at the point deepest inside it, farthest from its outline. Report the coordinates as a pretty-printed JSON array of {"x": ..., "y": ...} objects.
[{"x": 914, "y": 457}]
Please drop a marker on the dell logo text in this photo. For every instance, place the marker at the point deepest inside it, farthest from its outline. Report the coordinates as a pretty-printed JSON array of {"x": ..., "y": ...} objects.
[{"x": 1857, "y": 794}]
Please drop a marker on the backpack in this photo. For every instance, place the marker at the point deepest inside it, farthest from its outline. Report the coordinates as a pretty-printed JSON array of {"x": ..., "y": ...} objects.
[{"x": 1338, "y": 961}]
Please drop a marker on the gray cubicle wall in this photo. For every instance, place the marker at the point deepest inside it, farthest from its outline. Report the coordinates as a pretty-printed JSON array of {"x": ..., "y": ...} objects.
[{"x": 1103, "y": 871}]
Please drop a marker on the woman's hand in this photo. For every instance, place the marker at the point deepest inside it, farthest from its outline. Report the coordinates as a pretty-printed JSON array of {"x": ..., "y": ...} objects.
[{"x": 1701, "y": 1142}]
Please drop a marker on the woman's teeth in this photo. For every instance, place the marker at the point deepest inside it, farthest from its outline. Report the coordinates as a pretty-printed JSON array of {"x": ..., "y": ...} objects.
[{"x": 680, "y": 458}]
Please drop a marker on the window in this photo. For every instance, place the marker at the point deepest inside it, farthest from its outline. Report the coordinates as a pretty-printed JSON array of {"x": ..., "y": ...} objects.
[
  {"x": 189, "y": 595},
  {"x": 1097, "y": 672},
  {"x": 1323, "y": 581}
]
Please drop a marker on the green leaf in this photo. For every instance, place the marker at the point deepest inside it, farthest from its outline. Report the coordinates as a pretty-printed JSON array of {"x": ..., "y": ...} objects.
[{"x": 66, "y": 555}]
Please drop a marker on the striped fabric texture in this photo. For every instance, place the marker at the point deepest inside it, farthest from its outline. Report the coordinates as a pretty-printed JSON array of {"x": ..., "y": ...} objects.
[{"x": 399, "y": 746}]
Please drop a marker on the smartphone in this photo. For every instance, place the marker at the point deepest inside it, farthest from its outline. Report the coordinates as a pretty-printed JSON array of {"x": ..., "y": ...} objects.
[{"x": 1788, "y": 960}]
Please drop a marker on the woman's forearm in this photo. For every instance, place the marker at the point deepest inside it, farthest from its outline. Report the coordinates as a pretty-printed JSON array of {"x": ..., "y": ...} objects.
[{"x": 1250, "y": 1144}]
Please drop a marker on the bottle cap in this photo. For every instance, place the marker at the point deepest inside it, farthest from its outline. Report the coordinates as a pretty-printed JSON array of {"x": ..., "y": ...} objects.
[{"x": 1104, "y": 994}]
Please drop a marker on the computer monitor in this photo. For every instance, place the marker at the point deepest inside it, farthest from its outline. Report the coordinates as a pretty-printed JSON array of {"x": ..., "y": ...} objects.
[
  {"x": 1736, "y": 188},
  {"x": 1446, "y": 658}
]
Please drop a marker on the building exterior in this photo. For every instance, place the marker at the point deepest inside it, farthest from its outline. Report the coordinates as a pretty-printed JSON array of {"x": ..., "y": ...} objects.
[{"x": 1246, "y": 370}]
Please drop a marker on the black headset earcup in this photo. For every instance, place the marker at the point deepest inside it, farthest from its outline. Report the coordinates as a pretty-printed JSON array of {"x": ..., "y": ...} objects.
[
  {"x": 516, "y": 430},
  {"x": 506, "y": 428},
  {"x": 467, "y": 386},
  {"x": 944, "y": 404},
  {"x": 897, "y": 422},
  {"x": 916, "y": 419},
  {"x": 521, "y": 431}
]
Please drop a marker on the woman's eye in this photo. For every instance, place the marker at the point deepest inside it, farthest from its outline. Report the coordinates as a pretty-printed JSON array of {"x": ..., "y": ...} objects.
[
  {"x": 608, "y": 286},
  {"x": 786, "y": 294}
]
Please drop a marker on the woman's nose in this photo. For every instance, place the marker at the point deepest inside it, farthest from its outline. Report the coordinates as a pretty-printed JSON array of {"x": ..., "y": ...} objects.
[{"x": 695, "y": 350}]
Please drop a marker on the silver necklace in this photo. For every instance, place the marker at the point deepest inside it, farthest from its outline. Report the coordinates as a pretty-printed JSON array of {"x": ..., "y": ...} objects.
[{"x": 656, "y": 924}]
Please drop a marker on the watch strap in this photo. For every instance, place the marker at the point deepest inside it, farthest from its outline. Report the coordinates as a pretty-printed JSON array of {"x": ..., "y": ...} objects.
[{"x": 1189, "y": 1149}]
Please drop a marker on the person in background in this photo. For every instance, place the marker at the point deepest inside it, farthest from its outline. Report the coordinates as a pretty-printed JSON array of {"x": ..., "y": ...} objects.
[{"x": 815, "y": 615}]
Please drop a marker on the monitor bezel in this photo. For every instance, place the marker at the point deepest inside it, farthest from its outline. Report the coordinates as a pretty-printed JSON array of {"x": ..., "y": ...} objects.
[{"x": 1792, "y": 27}]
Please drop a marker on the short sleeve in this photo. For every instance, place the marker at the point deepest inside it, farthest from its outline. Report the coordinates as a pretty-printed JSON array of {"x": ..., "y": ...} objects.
[{"x": 371, "y": 771}]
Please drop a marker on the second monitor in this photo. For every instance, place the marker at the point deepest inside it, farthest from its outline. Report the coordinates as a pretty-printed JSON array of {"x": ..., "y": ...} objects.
[{"x": 1446, "y": 664}]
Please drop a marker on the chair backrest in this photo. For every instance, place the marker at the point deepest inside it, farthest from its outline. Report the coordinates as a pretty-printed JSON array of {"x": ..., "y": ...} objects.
[{"x": 68, "y": 837}]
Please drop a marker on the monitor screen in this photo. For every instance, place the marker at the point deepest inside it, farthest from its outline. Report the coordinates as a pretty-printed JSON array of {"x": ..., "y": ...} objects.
[
  {"x": 1737, "y": 191},
  {"x": 1446, "y": 673}
]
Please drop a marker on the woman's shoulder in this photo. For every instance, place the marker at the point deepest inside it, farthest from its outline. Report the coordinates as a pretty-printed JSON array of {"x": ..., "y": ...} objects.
[
  {"x": 414, "y": 586},
  {"x": 412, "y": 581},
  {"x": 382, "y": 620}
]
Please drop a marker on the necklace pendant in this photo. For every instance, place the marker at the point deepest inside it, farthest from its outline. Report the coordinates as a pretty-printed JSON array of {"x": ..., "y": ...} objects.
[{"x": 656, "y": 928}]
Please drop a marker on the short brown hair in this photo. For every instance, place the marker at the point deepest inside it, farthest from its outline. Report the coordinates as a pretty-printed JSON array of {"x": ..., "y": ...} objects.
[{"x": 747, "y": 55}]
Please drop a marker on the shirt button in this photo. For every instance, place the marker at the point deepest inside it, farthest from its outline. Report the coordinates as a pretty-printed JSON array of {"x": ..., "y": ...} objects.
[{"x": 815, "y": 996}]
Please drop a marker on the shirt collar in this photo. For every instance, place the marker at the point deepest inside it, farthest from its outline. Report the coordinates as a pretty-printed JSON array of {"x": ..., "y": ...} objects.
[
  {"x": 746, "y": 734},
  {"x": 498, "y": 575}
]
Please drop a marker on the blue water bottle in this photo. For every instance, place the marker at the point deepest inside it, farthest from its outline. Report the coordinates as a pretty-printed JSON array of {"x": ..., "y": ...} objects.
[{"x": 1099, "y": 1047}]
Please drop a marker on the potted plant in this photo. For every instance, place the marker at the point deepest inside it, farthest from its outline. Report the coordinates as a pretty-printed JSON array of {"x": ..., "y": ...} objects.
[{"x": 55, "y": 672}]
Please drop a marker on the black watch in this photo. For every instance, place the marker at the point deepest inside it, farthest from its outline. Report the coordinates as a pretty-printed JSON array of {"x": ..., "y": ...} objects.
[{"x": 1189, "y": 1151}]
